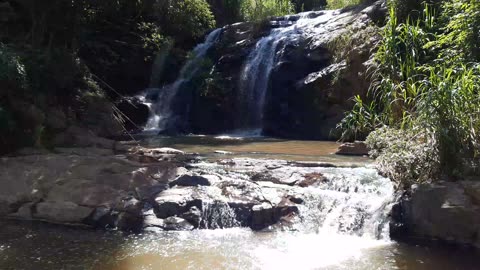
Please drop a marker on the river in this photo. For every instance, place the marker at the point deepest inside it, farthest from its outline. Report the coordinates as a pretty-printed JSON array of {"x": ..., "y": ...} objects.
[{"x": 39, "y": 246}]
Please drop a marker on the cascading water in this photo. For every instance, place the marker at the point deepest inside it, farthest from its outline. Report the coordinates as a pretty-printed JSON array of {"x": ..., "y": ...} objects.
[
  {"x": 266, "y": 55},
  {"x": 161, "y": 102},
  {"x": 218, "y": 215},
  {"x": 348, "y": 201},
  {"x": 353, "y": 201}
]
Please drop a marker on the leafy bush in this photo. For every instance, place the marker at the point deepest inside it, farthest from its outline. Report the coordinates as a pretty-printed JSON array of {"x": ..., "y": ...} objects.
[
  {"x": 258, "y": 10},
  {"x": 406, "y": 156},
  {"x": 184, "y": 19},
  {"x": 12, "y": 71},
  {"x": 336, "y": 4},
  {"x": 427, "y": 80}
]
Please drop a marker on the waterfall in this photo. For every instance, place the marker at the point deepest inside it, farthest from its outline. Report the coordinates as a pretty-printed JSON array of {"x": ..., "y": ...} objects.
[
  {"x": 218, "y": 215},
  {"x": 266, "y": 55},
  {"x": 161, "y": 101}
]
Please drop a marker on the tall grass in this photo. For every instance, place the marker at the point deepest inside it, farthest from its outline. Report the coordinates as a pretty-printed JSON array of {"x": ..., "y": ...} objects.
[{"x": 418, "y": 83}]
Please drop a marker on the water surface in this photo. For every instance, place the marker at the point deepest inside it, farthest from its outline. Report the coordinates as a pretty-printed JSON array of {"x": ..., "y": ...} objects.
[{"x": 36, "y": 246}]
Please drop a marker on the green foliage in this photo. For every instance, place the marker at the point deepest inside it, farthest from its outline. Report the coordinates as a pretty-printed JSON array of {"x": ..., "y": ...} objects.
[
  {"x": 406, "y": 156},
  {"x": 12, "y": 71},
  {"x": 426, "y": 79},
  {"x": 258, "y": 10},
  {"x": 459, "y": 41},
  {"x": 450, "y": 108},
  {"x": 185, "y": 19},
  {"x": 360, "y": 121},
  {"x": 306, "y": 5},
  {"x": 336, "y": 4}
]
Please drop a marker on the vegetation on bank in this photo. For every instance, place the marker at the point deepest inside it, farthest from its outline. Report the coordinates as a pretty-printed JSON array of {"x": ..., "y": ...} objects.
[{"x": 424, "y": 102}]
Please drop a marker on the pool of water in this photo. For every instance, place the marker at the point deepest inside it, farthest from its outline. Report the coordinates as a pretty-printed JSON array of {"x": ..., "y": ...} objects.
[
  {"x": 254, "y": 147},
  {"x": 37, "y": 246}
]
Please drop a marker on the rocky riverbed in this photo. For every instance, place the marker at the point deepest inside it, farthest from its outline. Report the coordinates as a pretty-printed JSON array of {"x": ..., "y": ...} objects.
[{"x": 132, "y": 188}]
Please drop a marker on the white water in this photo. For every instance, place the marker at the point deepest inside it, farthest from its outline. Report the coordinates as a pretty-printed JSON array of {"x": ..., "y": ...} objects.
[
  {"x": 161, "y": 110},
  {"x": 351, "y": 201},
  {"x": 255, "y": 77}
]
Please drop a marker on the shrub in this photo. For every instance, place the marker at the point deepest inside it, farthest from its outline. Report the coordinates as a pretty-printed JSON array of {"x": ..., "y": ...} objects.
[
  {"x": 258, "y": 10},
  {"x": 185, "y": 19},
  {"x": 406, "y": 156},
  {"x": 12, "y": 71},
  {"x": 336, "y": 4},
  {"x": 427, "y": 80}
]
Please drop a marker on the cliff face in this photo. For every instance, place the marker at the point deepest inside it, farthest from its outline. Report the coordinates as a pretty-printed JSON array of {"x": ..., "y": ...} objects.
[{"x": 293, "y": 76}]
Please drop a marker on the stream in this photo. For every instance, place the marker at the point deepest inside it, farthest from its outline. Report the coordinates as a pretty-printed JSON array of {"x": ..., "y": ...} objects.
[{"x": 324, "y": 240}]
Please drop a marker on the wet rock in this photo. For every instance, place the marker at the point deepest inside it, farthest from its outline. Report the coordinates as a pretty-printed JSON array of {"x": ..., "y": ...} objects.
[
  {"x": 190, "y": 180},
  {"x": 312, "y": 179},
  {"x": 193, "y": 216},
  {"x": 353, "y": 149},
  {"x": 262, "y": 216},
  {"x": 445, "y": 211},
  {"x": 102, "y": 217},
  {"x": 62, "y": 212},
  {"x": 80, "y": 137},
  {"x": 129, "y": 222},
  {"x": 174, "y": 202},
  {"x": 177, "y": 224},
  {"x": 268, "y": 177}
]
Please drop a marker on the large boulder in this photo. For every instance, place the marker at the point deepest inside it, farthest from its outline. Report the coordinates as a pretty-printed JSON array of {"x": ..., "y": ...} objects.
[
  {"x": 446, "y": 211},
  {"x": 62, "y": 212},
  {"x": 353, "y": 149}
]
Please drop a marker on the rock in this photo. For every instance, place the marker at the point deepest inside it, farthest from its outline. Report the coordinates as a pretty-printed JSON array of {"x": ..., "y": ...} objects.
[
  {"x": 353, "y": 149},
  {"x": 79, "y": 137},
  {"x": 312, "y": 179},
  {"x": 135, "y": 111},
  {"x": 62, "y": 212},
  {"x": 24, "y": 212},
  {"x": 267, "y": 177},
  {"x": 177, "y": 224},
  {"x": 97, "y": 190},
  {"x": 174, "y": 202},
  {"x": 152, "y": 221},
  {"x": 262, "y": 216},
  {"x": 103, "y": 217},
  {"x": 193, "y": 216},
  {"x": 85, "y": 151},
  {"x": 190, "y": 180},
  {"x": 445, "y": 211},
  {"x": 129, "y": 222},
  {"x": 223, "y": 152}
]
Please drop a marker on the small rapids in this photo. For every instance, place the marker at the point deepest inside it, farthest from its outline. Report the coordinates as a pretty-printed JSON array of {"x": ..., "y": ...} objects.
[{"x": 348, "y": 201}]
